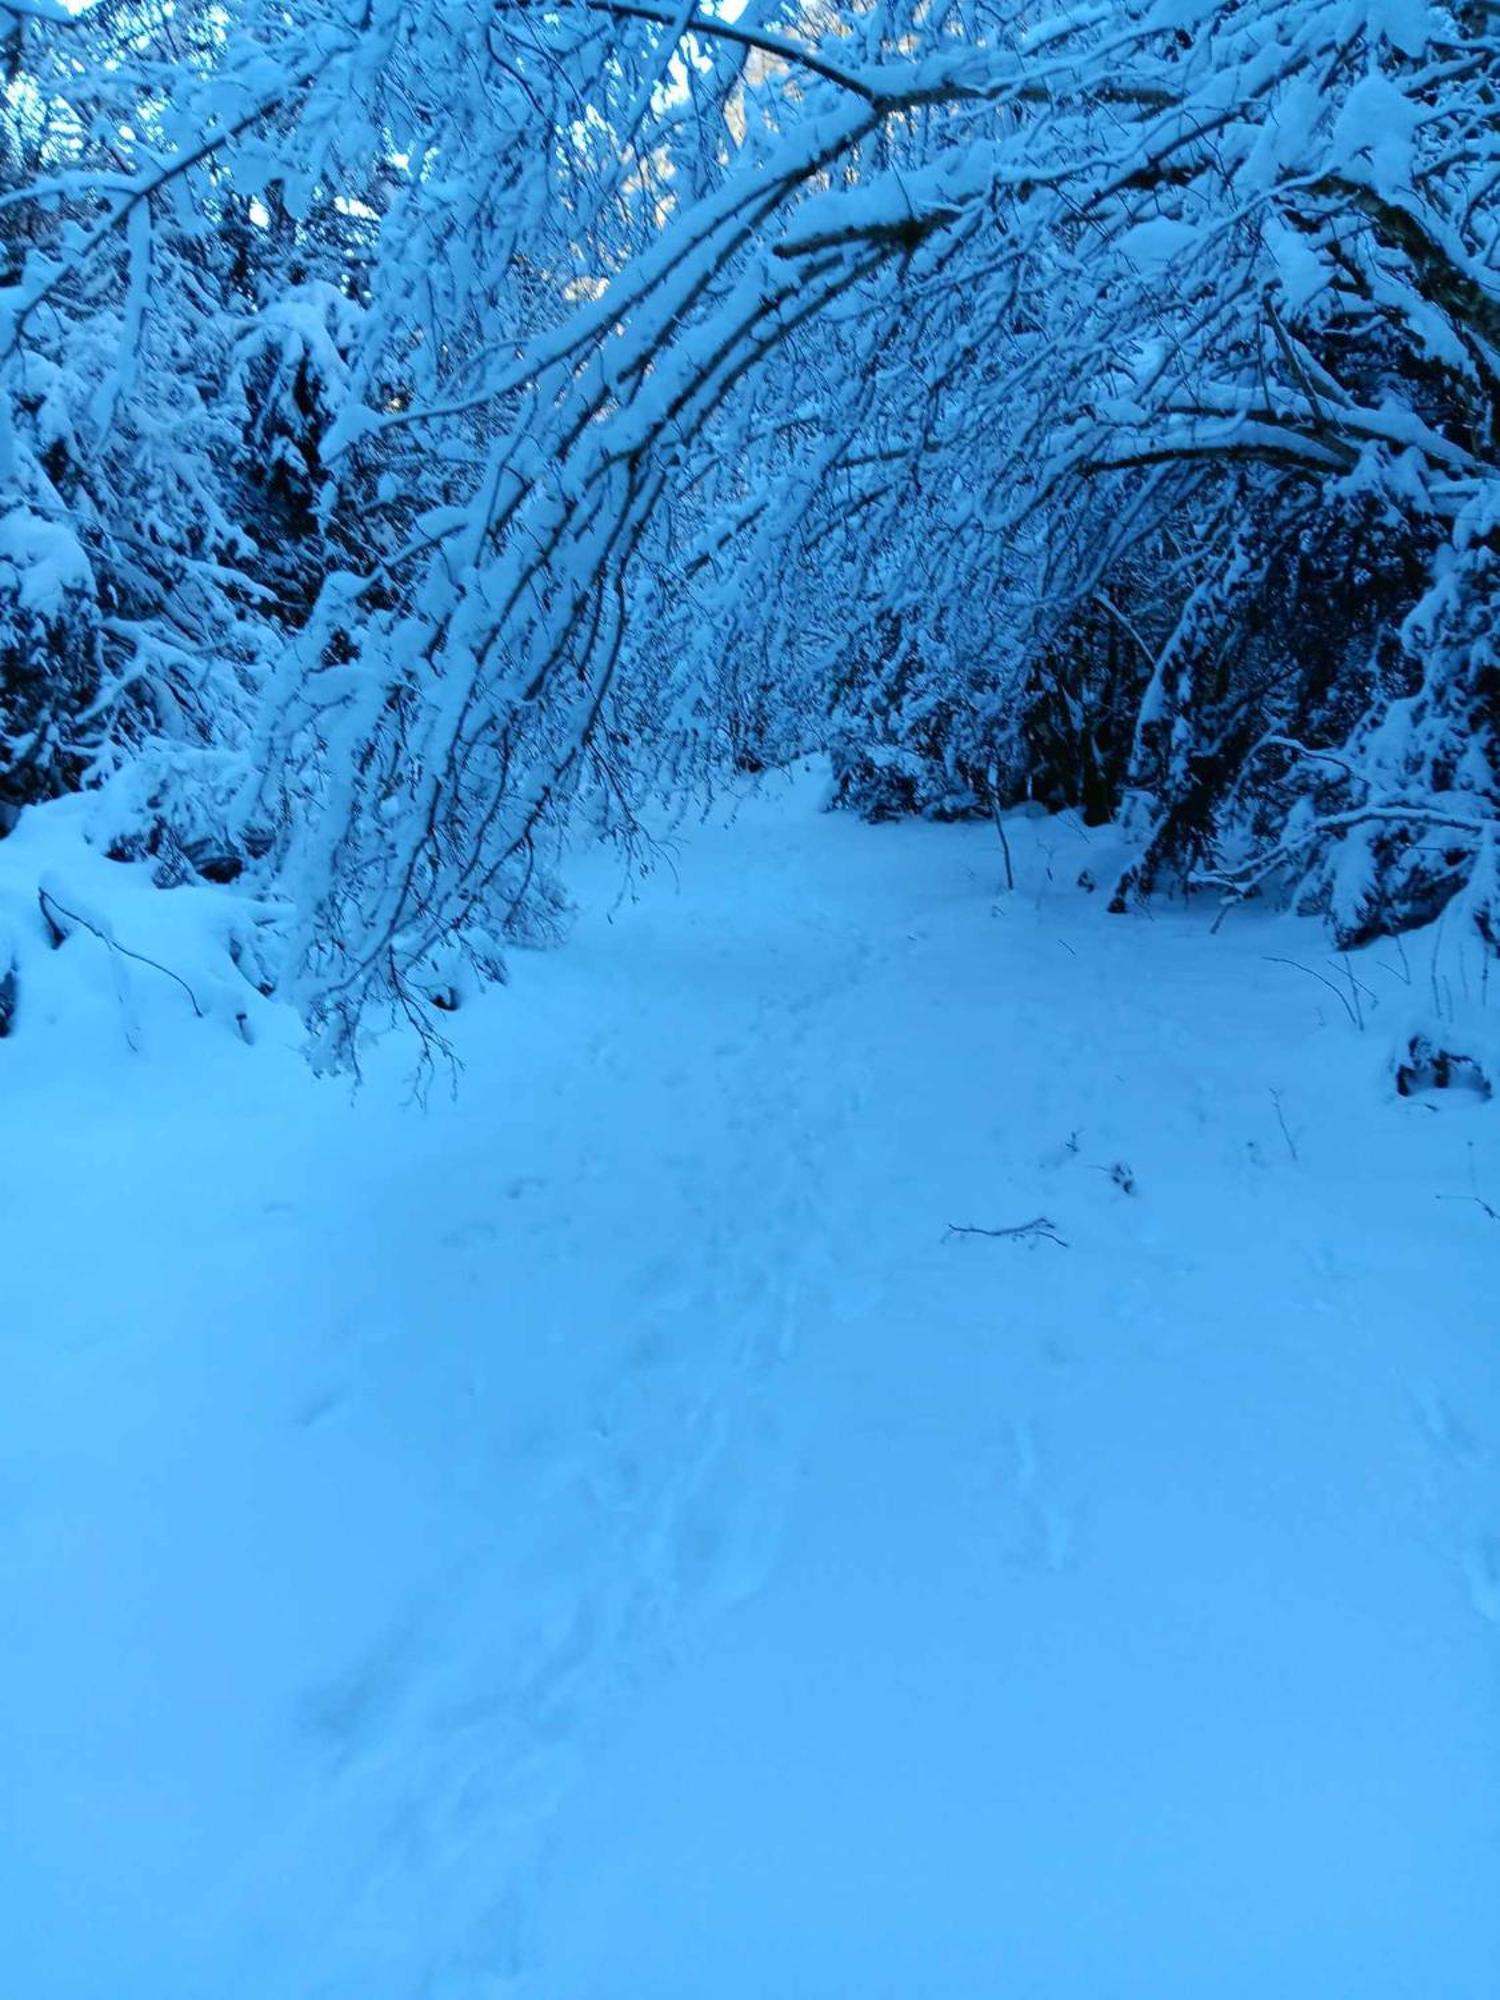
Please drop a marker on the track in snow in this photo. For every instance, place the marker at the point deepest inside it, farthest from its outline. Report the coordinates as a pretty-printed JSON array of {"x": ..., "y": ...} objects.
[{"x": 605, "y": 1538}]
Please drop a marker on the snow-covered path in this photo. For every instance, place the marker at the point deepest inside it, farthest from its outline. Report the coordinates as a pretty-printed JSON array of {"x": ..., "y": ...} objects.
[{"x": 605, "y": 1539}]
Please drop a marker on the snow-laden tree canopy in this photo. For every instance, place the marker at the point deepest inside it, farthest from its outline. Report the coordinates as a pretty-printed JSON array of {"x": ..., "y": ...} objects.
[{"x": 428, "y": 423}]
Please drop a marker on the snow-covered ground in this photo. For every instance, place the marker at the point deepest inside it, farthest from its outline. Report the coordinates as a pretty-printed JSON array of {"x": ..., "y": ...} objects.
[{"x": 604, "y": 1538}]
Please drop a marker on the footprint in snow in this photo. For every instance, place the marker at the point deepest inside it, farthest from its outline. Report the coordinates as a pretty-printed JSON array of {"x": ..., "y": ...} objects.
[
  {"x": 1459, "y": 1458},
  {"x": 320, "y": 1406},
  {"x": 1036, "y": 1534},
  {"x": 727, "y": 1527},
  {"x": 346, "y": 1714},
  {"x": 468, "y": 1235},
  {"x": 1482, "y": 1567},
  {"x": 1446, "y": 1432}
]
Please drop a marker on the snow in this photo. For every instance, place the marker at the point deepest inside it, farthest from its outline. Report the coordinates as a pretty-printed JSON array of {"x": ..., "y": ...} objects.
[
  {"x": 1377, "y": 121},
  {"x": 1153, "y": 245},
  {"x": 602, "y": 1535},
  {"x": 40, "y": 562}
]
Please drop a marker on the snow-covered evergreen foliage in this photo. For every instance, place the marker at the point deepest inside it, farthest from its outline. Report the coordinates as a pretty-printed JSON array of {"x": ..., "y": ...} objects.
[{"x": 422, "y": 425}]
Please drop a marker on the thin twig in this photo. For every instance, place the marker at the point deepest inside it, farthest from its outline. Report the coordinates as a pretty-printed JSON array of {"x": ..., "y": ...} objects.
[
  {"x": 1032, "y": 1231},
  {"x": 1291, "y": 1144},
  {"x": 1010, "y": 873},
  {"x": 1492, "y": 1213},
  {"x": 709, "y": 27},
  {"x": 1473, "y": 1195},
  {"x": 49, "y": 903},
  {"x": 1313, "y": 973}
]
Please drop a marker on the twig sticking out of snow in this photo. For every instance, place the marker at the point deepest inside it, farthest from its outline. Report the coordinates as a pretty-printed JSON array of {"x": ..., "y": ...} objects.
[
  {"x": 1031, "y": 1232},
  {"x": 1286, "y": 1133},
  {"x": 1349, "y": 1004},
  {"x": 1492, "y": 1212},
  {"x": 50, "y": 904},
  {"x": 1010, "y": 873}
]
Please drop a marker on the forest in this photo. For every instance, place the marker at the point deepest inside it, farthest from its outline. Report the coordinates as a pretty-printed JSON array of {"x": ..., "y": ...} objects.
[{"x": 432, "y": 428}]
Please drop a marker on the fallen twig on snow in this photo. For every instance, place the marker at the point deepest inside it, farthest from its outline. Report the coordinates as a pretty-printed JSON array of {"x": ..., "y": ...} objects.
[
  {"x": 1491, "y": 1212},
  {"x": 1033, "y": 1231}
]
